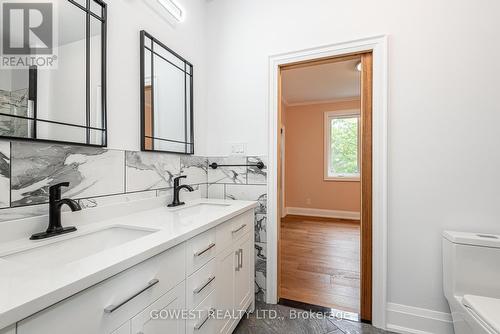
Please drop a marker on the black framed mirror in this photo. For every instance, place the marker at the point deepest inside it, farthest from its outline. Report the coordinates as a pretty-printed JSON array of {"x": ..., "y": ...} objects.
[
  {"x": 63, "y": 101},
  {"x": 166, "y": 99}
]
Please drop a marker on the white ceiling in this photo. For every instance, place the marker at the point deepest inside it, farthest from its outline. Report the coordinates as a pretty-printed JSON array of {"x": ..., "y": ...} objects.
[{"x": 324, "y": 82}]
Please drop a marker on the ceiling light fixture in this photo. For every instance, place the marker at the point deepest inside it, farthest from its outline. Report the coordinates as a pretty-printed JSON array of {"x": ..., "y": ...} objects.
[
  {"x": 359, "y": 67},
  {"x": 173, "y": 9}
]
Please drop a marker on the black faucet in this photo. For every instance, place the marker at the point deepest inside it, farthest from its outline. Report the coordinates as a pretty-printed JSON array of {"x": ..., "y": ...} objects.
[
  {"x": 178, "y": 188},
  {"x": 55, "y": 204}
]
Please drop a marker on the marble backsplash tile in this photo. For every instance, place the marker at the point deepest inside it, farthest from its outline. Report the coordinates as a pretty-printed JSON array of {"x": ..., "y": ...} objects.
[
  {"x": 230, "y": 175},
  {"x": 254, "y": 174},
  {"x": 151, "y": 170},
  {"x": 216, "y": 190},
  {"x": 87, "y": 203},
  {"x": 91, "y": 172},
  {"x": 4, "y": 174},
  {"x": 248, "y": 193},
  {"x": 14, "y": 103},
  {"x": 260, "y": 271},
  {"x": 22, "y": 212},
  {"x": 195, "y": 168},
  {"x": 260, "y": 227}
]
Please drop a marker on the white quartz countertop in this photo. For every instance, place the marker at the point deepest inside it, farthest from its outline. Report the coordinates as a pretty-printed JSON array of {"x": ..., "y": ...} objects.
[{"x": 26, "y": 289}]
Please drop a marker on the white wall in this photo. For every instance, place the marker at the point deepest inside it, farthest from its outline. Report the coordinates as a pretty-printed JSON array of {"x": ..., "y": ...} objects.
[
  {"x": 443, "y": 110},
  {"x": 126, "y": 19}
]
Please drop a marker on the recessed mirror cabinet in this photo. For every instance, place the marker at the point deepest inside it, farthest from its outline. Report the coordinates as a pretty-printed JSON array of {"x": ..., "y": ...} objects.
[
  {"x": 166, "y": 99},
  {"x": 67, "y": 102}
]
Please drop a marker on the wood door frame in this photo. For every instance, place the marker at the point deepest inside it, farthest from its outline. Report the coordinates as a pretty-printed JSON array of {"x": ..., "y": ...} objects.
[
  {"x": 365, "y": 173},
  {"x": 374, "y": 210}
]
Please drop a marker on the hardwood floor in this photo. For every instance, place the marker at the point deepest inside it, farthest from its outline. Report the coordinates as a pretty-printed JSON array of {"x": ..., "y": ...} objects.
[{"x": 320, "y": 262}]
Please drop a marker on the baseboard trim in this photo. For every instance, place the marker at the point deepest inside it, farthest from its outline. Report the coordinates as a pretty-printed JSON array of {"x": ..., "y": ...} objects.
[
  {"x": 413, "y": 320},
  {"x": 322, "y": 213}
]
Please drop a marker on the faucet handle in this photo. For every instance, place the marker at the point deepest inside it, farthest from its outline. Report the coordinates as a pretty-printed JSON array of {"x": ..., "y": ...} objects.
[{"x": 55, "y": 190}]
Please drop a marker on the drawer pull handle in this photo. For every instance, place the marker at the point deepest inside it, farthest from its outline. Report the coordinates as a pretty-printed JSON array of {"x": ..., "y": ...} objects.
[
  {"x": 199, "y": 253},
  {"x": 204, "y": 285},
  {"x": 239, "y": 229},
  {"x": 241, "y": 258},
  {"x": 112, "y": 308},
  {"x": 201, "y": 323},
  {"x": 237, "y": 253}
]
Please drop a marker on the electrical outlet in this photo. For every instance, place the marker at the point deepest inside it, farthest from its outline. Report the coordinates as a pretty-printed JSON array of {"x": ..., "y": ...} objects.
[{"x": 239, "y": 149}]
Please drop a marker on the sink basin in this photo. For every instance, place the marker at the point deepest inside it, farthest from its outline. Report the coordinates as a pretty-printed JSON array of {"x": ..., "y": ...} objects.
[
  {"x": 76, "y": 248},
  {"x": 200, "y": 209}
]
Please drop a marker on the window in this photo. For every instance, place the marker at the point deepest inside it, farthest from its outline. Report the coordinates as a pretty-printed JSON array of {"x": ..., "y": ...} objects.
[{"x": 342, "y": 145}]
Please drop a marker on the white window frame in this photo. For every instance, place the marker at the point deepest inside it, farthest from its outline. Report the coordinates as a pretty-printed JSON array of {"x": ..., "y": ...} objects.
[{"x": 348, "y": 113}]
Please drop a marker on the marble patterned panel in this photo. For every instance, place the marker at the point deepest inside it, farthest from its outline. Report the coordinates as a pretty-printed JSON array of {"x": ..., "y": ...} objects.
[
  {"x": 260, "y": 271},
  {"x": 91, "y": 172},
  {"x": 260, "y": 227},
  {"x": 149, "y": 170},
  {"x": 22, "y": 212},
  {"x": 248, "y": 193},
  {"x": 4, "y": 101},
  {"x": 15, "y": 103},
  {"x": 4, "y": 174},
  {"x": 230, "y": 175},
  {"x": 215, "y": 191},
  {"x": 195, "y": 168},
  {"x": 254, "y": 174},
  {"x": 88, "y": 203}
]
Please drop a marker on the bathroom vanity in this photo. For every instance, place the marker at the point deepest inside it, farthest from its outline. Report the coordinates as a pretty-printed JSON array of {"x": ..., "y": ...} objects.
[{"x": 131, "y": 268}]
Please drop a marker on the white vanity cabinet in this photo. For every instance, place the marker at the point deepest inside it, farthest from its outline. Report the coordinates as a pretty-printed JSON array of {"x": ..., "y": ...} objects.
[
  {"x": 8, "y": 330},
  {"x": 235, "y": 267},
  {"x": 124, "y": 329},
  {"x": 210, "y": 272},
  {"x": 104, "y": 307},
  {"x": 243, "y": 280},
  {"x": 161, "y": 316},
  {"x": 152, "y": 320}
]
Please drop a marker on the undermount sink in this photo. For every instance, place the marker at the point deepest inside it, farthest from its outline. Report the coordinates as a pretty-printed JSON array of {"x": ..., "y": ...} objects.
[
  {"x": 77, "y": 247},
  {"x": 200, "y": 209}
]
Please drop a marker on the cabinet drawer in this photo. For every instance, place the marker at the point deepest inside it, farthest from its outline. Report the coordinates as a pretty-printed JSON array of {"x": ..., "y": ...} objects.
[
  {"x": 234, "y": 229},
  {"x": 104, "y": 307},
  {"x": 204, "y": 321},
  {"x": 200, "y": 284},
  {"x": 200, "y": 250},
  {"x": 124, "y": 329},
  {"x": 164, "y": 315}
]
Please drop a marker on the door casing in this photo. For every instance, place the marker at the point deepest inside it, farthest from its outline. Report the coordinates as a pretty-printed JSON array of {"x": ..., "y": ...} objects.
[{"x": 376, "y": 208}]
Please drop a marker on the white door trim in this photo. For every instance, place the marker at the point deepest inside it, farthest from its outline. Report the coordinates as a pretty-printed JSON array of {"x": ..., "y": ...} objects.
[{"x": 378, "y": 45}]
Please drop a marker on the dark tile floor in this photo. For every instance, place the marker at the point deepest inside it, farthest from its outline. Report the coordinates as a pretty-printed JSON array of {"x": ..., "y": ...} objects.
[{"x": 279, "y": 319}]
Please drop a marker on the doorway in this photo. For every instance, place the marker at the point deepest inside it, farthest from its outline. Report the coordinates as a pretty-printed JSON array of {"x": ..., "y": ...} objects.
[{"x": 324, "y": 180}]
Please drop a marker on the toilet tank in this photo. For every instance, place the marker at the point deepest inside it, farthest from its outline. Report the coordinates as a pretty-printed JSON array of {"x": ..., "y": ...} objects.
[{"x": 471, "y": 264}]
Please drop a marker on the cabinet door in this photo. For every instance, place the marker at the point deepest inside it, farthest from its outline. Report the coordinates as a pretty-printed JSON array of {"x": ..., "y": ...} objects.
[
  {"x": 225, "y": 269},
  {"x": 164, "y": 315},
  {"x": 243, "y": 287}
]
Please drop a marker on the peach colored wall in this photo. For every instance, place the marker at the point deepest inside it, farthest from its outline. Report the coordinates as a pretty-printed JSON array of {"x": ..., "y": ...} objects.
[{"x": 305, "y": 186}]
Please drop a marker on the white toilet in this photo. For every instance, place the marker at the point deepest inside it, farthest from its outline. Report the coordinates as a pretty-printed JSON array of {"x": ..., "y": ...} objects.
[{"x": 471, "y": 277}]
